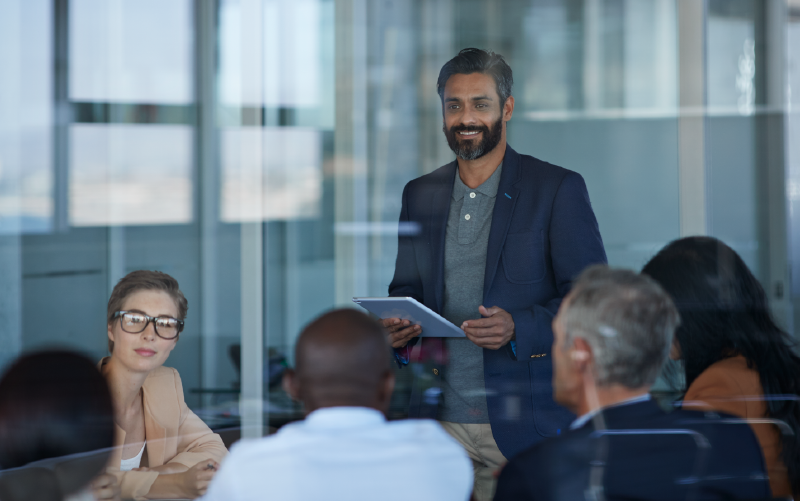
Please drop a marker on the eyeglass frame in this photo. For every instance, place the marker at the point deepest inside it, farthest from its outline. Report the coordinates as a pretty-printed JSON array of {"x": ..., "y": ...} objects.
[{"x": 149, "y": 319}]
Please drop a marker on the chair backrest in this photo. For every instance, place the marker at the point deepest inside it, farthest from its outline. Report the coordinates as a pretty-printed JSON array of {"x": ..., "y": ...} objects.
[
  {"x": 700, "y": 474},
  {"x": 595, "y": 490}
]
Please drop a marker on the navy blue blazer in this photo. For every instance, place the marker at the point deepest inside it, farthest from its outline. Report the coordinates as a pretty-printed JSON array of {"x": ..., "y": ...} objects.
[
  {"x": 702, "y": 456},
  {"x": 543, "y": 234}
]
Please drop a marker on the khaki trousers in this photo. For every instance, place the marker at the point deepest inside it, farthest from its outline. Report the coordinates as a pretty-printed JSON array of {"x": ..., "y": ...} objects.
[{"x": 478, "y": 441}]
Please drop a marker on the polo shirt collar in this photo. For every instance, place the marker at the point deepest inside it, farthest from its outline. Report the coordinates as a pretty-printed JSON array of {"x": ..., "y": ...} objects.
[{"x": 488, "y": 187}]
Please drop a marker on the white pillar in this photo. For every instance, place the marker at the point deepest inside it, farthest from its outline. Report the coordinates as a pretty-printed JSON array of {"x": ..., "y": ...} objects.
[
  {"x": 207, "y": 160},
  {"x": 350, "y": 150},
  {"x": 691, "y": 120},
  {"x": 251, "y": 403}
]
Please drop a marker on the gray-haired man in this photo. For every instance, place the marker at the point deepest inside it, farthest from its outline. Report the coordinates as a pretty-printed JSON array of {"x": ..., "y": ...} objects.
[{"x": 612, "y": 335}]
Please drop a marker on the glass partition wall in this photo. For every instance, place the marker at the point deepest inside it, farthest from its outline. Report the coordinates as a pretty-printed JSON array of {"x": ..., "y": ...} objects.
[{"x": 257, "y": 150}]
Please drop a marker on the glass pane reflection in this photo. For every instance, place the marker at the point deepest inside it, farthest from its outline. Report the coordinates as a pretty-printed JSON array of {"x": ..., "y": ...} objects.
[
  {"x": 130, "y": 175},
  {"x": 26, "y": 116},
  {"x": 271, "y": 173},
  {"x": 131, "y": 51}
]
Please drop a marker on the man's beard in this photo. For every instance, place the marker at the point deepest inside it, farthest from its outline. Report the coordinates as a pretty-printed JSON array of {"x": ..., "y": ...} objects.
[{"x": 466, "y": 149}]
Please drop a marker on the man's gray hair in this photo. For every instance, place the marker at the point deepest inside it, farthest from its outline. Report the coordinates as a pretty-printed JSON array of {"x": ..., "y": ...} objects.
[{"x": 627, "y": 319}]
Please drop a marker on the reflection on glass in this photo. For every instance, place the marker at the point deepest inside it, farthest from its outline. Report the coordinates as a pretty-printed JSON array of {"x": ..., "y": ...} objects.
[
  {"x": 600, "y": 59},
  {"x": 130, "y": 175},
  {"x": 793, "y": 146},
  {"x": 289, "y": 42},
  {"x": 271, "y": 173},
  {"x": 131, "y": 51},
  {"x": 323, "y": 111},
  {"x": 291, "y": 35},
  {"x": 26, "y": 116},
  {"x": 731, "y": 64}
]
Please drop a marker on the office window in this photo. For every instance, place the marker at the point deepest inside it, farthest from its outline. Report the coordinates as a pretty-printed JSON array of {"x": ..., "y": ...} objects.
[
  {"x": 131, "y": 91},
  {"x": 271, "y": 173},
  {"x": 131, "y": 51},
  {"x": 130, "y": 174},
  {"x": 26, "y": 116},
  {"x": 257, "y": 151}
]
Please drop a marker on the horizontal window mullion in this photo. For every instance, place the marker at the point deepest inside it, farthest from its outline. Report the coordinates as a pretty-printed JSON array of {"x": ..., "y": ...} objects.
[{"x": 125, "y": 113}]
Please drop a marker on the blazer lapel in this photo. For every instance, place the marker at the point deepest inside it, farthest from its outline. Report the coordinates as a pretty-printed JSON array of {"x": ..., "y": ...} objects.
[
  {"x": 156, "y": 434},
  {"x": 440, "y": 209},
  {"x": 504, "y": 205}
]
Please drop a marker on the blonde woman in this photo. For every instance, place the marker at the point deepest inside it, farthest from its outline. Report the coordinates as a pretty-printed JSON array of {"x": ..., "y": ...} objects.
[{"x": 163, "y": 449}]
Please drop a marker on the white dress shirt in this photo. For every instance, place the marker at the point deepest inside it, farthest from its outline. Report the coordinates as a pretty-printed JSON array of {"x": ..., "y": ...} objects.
[{"x": 346, "y": 453}]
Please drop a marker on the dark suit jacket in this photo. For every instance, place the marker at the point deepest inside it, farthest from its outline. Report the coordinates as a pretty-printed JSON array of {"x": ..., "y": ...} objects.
[
  {"x": 646, "y": 466},
  {"x": 543, "y": 234}
]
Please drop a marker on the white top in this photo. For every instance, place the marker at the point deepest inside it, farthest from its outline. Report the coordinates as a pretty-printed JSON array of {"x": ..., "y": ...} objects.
[
  {"x": 589, "y": 415},
  {"x": 84, "y": 495},
  {"x": 347, "y": 453},
  {"x": 134, "y": 462}
]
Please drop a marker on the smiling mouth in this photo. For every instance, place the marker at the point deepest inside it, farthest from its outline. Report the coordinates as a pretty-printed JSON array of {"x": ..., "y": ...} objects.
[{"x": 471, "y": 133}]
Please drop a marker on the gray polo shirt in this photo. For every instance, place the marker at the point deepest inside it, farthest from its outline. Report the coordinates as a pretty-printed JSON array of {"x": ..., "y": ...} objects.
[{"x": 466, "y": 241}]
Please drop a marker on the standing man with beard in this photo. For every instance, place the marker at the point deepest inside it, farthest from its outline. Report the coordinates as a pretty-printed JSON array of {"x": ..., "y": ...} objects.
[{"x": 501, "y": 236}]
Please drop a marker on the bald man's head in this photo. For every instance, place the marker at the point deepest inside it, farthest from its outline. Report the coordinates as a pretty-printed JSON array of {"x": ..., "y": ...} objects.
[{"x": 342, "y": 359}]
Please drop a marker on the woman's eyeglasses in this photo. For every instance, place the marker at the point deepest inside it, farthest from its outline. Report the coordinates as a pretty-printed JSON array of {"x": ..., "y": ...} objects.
[{"x": 134, "y": 323}]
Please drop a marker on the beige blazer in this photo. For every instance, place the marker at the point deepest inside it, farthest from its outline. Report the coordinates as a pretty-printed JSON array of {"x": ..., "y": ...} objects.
[
  {"x": 173, "y": 432},
  {"x": 731, "y": 386}
]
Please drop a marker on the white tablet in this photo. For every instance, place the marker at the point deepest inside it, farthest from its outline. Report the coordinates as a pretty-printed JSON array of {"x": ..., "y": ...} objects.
[{"x": 408, "y": 308}]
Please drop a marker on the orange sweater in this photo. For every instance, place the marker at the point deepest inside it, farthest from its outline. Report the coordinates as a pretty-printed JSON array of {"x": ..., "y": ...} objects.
[{"x": 732, "y": 387}]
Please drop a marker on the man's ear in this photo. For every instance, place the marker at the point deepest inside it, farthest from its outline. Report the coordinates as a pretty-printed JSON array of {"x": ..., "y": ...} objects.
[
  {"x": 508, "y": 108},
  {"x": 291, "y": 385},
  {"x": 581, "y": 353}
]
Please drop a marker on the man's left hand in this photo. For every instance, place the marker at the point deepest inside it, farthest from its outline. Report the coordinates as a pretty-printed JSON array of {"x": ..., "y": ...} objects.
[{"x": 492, "y": 332}]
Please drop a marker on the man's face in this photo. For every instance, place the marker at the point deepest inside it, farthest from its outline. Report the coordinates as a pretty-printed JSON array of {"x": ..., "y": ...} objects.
[
  {"x": 473, "y": 115},
  {"x": 567, "y": 380}
]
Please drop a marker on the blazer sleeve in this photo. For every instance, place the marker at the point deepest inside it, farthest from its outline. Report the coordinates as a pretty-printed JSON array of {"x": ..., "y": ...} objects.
[
  {"x": 575, "y": 243},
  {"x": 196, "y": 441},
  {"x": 406, "y": 280},
  {"x": 134, "y": 484}
]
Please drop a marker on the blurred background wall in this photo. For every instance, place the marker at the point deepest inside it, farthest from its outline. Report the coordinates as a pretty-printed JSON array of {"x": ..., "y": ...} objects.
[{"x": 257, "y": 149}]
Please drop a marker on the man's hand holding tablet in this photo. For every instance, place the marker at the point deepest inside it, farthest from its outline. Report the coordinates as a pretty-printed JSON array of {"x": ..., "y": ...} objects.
[
  {"x": 404, "y": 318},
  {"x": 401, "y": 331}
]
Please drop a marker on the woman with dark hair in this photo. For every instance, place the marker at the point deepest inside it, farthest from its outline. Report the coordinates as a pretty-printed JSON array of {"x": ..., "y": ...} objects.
[
  {"x": 165, "y": 450},
  {"x": 736, "y": 359},
  {"x": 54, "y": 404}
]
